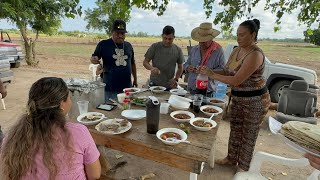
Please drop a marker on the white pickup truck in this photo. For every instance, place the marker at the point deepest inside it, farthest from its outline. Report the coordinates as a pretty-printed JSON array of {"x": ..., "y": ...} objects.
[{"x": 279, "y": 75}]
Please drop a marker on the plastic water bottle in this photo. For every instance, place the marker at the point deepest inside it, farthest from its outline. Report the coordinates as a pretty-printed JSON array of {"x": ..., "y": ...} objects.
[
  {"x": 202, "y": 84},
  {"x": 221, "y": 90}
]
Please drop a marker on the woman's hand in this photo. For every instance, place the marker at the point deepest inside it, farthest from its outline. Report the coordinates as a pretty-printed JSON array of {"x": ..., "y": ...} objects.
[
  {"x": 205, "y": 70},
  {"x": 191, "y": 69}
]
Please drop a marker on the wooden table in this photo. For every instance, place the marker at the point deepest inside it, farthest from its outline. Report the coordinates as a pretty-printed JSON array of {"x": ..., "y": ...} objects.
[{"x": 187, "y": 157}]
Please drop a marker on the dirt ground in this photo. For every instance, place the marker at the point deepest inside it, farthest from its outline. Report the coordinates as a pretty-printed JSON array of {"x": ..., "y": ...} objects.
[{"x": 135, "y": 166}]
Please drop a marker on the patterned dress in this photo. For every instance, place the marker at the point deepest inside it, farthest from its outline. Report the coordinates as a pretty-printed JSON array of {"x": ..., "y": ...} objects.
[{"x": 246, "y": 113}]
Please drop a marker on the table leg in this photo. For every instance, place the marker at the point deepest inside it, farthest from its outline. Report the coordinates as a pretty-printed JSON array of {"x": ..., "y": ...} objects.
[
  {"x": 193, "y": 176},
  {"x": 105, "y": 166},
  {"x": 212, "y": 153}
]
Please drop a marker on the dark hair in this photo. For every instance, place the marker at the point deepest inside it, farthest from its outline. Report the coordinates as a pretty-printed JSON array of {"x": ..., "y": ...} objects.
[
  {"x": 252, "y": 25},
  {"x": 168, "y": 30},
  {"x": 33, "y": 133}
]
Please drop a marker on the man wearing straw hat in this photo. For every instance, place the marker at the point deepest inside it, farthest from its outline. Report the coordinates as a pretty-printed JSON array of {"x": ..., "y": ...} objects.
[{"x": 208, "y": 53}]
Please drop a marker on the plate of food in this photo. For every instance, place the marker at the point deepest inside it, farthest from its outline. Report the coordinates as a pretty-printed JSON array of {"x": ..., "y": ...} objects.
[
  {"x": 114, "y": 126},
  {"x": 210, "y": 110},
  {"x": 179, "y": 92},
  {"x": 134, "y": 114},
  {"x": 131, "y": 90},
  {"x": 303, "y": 137},
  {"x": 182, "y": 116},
  {"x": 140, "y": 101},
  {"x": 157, "y": 89},
  {"x": 90, "y": 118}
]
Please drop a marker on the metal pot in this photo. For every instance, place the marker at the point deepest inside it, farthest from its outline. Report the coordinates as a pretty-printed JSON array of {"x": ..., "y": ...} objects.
[{"x": 92, "y": 91}]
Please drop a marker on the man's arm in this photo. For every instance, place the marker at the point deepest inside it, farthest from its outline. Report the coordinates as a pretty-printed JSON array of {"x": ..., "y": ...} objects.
[
  {"x": 148, "y": 66},
  {"x": 96, "y": 56},
  {"x": 3, "y": 90},
  {"x": 95, "y": 60},
  {"x": 179, "y": 72},
  {"x": 134, "y": 74}
]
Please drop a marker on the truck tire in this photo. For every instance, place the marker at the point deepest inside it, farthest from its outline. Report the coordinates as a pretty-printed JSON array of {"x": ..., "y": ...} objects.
[
  {"x": 15, "y": 65},
  {"x": 276, "y": 89}
]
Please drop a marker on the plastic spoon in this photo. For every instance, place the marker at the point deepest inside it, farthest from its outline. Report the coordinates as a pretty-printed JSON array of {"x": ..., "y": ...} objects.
[{"x": 177, "y": 140}]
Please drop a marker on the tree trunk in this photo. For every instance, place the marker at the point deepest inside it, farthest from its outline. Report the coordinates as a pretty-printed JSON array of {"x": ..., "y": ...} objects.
[{"x": 29, "y": 48}]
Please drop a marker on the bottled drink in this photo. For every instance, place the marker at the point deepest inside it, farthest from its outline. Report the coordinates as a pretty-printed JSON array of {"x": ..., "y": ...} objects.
[
  {"x": 202, "y": 84},
  {"x": 126, "y": 101}
]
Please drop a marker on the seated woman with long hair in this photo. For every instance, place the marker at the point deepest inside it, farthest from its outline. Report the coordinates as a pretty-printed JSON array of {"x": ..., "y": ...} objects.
[{"x": 43, "y": 145}]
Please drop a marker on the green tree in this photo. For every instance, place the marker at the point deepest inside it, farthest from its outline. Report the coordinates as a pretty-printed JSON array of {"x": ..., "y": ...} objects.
[
  {"x": 102, "y": 17},
  {"x": 312, "y": 36},
  {"x": 43, "y": 16},
  {"x": 309, "y": 11}
]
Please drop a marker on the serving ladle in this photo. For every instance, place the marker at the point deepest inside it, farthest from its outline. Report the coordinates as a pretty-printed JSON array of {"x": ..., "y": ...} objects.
[{"x": 175, "y": 140}]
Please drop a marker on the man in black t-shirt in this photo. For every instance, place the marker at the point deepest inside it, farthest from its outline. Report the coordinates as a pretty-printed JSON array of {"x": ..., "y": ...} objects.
[{"x": 118, "y": 61}]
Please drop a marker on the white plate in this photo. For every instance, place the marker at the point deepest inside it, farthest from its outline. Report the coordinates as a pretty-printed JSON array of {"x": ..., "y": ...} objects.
[
  {"x": 178, "y": 92},
  {"x": 275, "y": 127},
  {"x": 211, "y": 106},
  {"x": 90, "y": 114},
  {"x": 136, "y": 90},
  {"x": 161, "y": 89},
  {"x": 183, "y": 135},
  {"x": 114, "y": 121},
  {"x": 214, "y": 124},
  {"x": 133, "y": 114},
  {"x": 182, "y": 112}
]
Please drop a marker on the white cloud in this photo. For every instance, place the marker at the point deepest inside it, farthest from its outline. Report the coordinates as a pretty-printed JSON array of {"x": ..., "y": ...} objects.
[{"x": 184, "y": 15}]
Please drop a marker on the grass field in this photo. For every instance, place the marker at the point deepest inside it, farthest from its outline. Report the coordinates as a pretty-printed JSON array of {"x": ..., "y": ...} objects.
[{"x": 301, "y": 54}]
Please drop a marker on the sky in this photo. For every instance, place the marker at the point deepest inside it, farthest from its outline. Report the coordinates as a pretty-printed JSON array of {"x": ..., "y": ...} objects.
[{"x": 184, "y": 15}]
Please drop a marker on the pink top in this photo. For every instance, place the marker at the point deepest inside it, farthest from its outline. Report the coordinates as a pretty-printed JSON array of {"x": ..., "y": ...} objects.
[{"x": 84, "y": 152}]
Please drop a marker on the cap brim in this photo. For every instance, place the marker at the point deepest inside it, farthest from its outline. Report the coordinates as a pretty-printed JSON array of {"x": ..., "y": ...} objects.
[{"x": 197, "y": 37}]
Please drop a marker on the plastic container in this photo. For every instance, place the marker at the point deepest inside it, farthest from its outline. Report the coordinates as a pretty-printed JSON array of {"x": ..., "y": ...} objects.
[
  {"x": 164, "y": 108},
  {"x": 83, "y": 106},
  {"x": 221, "y": 90},
  {"x": 153, "y": 115}
]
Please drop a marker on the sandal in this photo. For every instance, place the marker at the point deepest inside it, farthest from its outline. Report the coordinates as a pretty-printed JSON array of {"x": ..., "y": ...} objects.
[{"x": 225, "y": 161}]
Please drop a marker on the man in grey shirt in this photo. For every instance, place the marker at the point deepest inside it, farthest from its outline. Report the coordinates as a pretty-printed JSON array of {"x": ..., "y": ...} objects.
[{"x": 164, "y": 56}]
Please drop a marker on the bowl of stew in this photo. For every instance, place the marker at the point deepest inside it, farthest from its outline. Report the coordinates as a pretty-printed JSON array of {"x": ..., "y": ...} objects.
[
  {"x": 203, "y": 124},
  {"x": 165, "y": 133},
  {"x": 182, "y": 116}
]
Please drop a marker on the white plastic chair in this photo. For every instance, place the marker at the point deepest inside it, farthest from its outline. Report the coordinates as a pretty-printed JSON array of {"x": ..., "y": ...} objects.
[
  {"x": 260, "y": 157},
  {"x": 2, "y": 101}
]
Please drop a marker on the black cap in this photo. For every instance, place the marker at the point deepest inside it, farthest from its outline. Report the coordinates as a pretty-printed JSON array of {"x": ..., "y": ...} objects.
[{"x": 119, "y": 26}]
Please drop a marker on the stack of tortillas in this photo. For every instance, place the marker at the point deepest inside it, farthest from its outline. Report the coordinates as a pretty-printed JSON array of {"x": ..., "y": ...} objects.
[{"x": 303, "y": 134}]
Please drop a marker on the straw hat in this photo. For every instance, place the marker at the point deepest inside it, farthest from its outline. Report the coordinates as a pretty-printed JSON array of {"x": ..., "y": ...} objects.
[{"x": 204, "y": 32}]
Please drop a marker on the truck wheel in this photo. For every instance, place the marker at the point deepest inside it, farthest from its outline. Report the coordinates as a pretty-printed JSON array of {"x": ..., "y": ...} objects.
[
  {"x": 15, "y": 65},
  {"x": 277, "y": 88}
]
